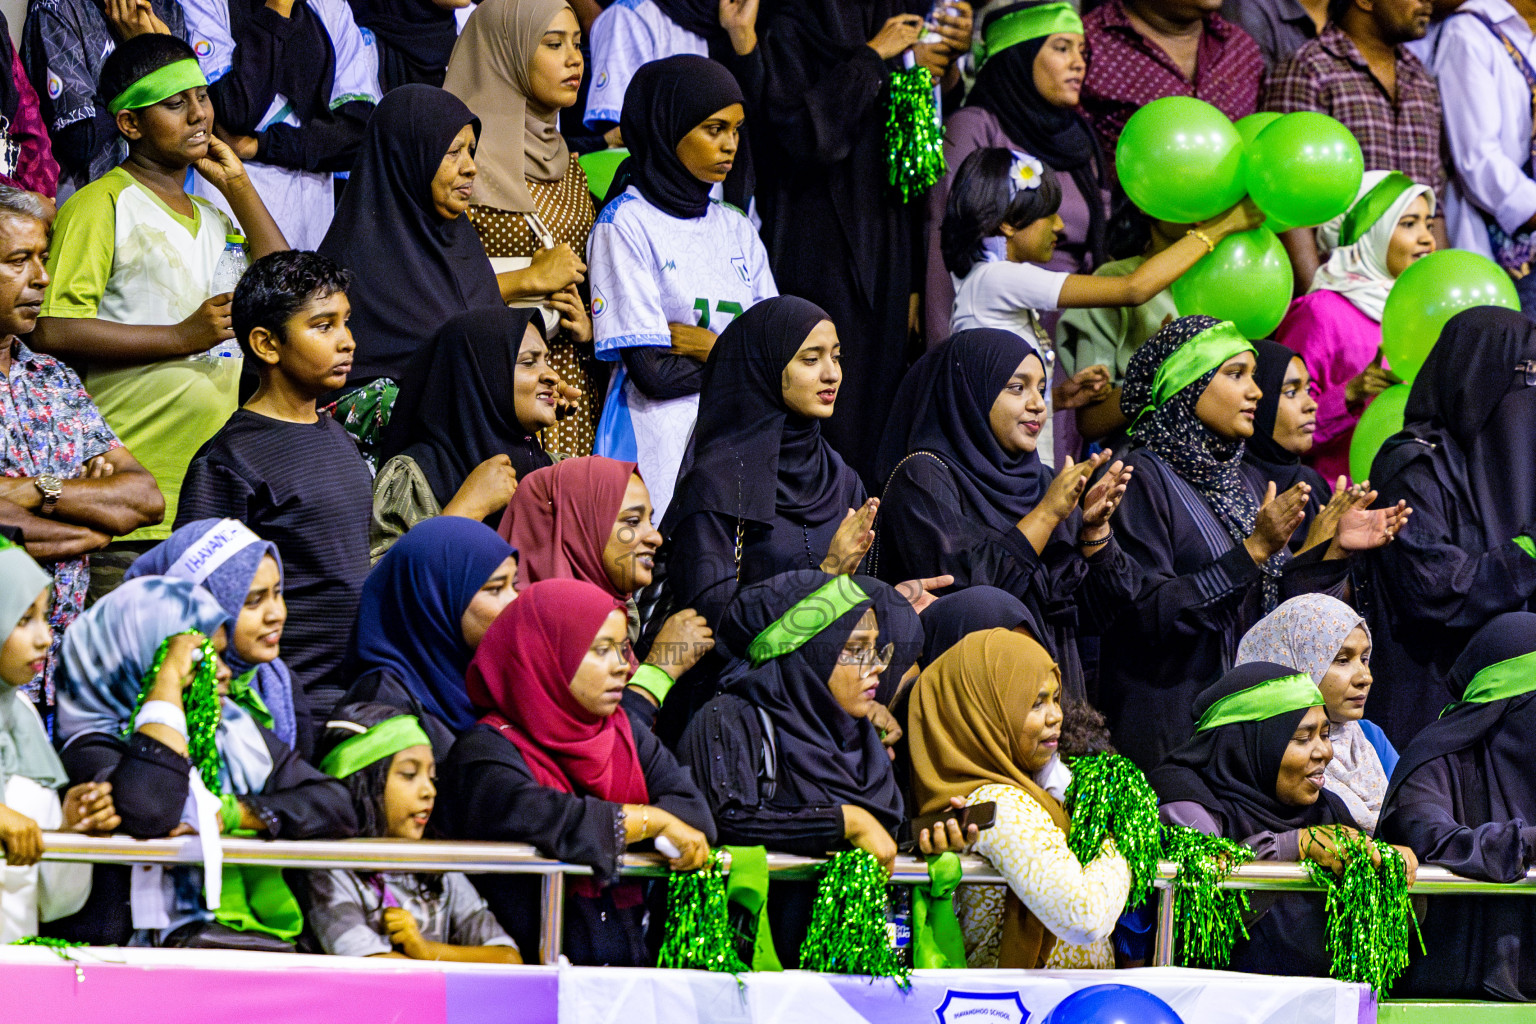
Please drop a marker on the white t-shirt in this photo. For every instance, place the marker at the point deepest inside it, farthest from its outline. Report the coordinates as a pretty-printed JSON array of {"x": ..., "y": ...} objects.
[
  {"x": 626, "y": 35},
  {"x": 1008, "y": 296},
  {"x": 650, "y": 269}
]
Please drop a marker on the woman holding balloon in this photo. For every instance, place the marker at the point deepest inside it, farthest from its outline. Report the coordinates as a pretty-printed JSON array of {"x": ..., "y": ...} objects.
[
  {"x": 1210, "y": 532},
  {"x": 1336, "y": 327}
]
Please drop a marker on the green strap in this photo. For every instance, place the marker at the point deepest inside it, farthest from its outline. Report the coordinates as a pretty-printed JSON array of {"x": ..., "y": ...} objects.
[
  {"x": 256, "y": 899},
  {"x": 1527, "y": 545},
  {"x": 158, "y": 85},
  {"x": 747, "y": 885},
  {"x": 229, "y": 813},
  {"x": 1194, "y": 359},
  {"x": 1513, "y": 677},
  {"x": 386, "y": 739},
  {"x": 937, "y": 941},
  {"x": 1025, "y": 24},
  {"x": 1266, "y": 700},
  {"x": 244, "y": 694},
  {"x": 1373, "y": 206},
  {"x": 809, "y": 616},
  {"x": 653, "y": 681}
]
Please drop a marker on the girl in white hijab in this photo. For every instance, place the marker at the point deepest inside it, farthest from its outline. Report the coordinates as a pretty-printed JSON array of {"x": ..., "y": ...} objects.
[{"x": 1327, "y": 639}]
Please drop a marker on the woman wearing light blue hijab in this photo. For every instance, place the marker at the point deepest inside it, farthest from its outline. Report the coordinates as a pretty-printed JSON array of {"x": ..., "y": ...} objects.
[
  {"x": 228, "y": 560},
  {"x": 258, "y": 785}
]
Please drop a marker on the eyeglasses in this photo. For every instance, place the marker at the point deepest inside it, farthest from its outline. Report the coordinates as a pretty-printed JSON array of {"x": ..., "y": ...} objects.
[{"x": 869, "y": 659}]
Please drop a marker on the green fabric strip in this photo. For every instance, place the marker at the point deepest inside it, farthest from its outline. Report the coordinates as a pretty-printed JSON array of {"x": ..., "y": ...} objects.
[
  {"x": 229, "y": 812},
  {"x": 747, "y": 886},
  {"x": 937, "y": 941},
  {"x": 1527, "y": 545},
  {"x": 1373, "y": 206},
  {"x": 812, "y": 614},
  {"x": 255, "y": 899},
  {"x": 1270, "y": 698},
  {"x": 1194, "y": 359},
  {"x": 653, "y": 681},
  {"x": 1502, "y": 680},
  {"x": 386, "y": 739},
  {"x": 160, "y": 84},
  {"x": 1029, "y": 23},
  {"x": 245, "y": 695}
]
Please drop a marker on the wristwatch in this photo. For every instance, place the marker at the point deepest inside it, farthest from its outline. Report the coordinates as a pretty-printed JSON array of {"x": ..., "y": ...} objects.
[{"x": 51, "y": 487}]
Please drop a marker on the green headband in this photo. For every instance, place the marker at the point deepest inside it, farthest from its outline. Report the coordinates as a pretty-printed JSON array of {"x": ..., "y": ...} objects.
[
  {"x": 1194, "y": 359},
  {"x": 1373, "y": 206},
  {"x": 158, "y": 84},
  {"x": 809, "y": 616},
  {"x": 1027, "y": 23},
  {"x": 1266, "y": 700},
  {"x": 1510, "y": 678},
  {"x": 386, "y": 739}
]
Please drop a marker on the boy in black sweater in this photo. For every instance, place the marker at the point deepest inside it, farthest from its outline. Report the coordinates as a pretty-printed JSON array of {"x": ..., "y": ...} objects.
[{"x": 292, "y": 474}]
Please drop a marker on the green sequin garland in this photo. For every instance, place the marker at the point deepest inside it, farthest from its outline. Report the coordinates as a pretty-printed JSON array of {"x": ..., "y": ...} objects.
[
  {"x": 1109, "y": 798},
  {"x": 848, "y": 933},
  {"x": 914, "y": 141},
  {"x": 58, "y": 946},
  {"x": 698, "y": 935},
  {"x": 1207, "y": 918},
  {"x": 200, "y": 701},
  {"x": 1369, "y": 912}
]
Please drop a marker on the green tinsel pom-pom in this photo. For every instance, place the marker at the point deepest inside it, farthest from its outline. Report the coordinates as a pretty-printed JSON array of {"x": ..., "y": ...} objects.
[
  {"x": 914, "y": 140},
  {"x": 1110, "y": 798},
  {"x": 698, "y": 923},
  {"x": 1207, "y": 918},
  {"x": 848, "y": 933},
  {"x": 200, "y": 701},
  {"x": 1369, "y": 912}
]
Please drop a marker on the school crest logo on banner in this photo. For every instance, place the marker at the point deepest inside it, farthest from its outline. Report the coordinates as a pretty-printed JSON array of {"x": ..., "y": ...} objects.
[{"x": 981, "y": 1008}]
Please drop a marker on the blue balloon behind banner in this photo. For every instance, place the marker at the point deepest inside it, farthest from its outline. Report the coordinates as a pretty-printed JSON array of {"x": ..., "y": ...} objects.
[{"x": 1112, "y": 1004}]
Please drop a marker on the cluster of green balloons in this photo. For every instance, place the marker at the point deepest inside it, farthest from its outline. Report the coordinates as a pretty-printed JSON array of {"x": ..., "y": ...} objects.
[
  {"x": 1183, "y": 161},
  {"x": 1433, "y": 289}
]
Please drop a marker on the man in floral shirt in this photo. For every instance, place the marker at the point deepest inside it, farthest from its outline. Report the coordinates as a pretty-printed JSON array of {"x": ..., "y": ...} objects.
[{"x": 65, "y": 480}]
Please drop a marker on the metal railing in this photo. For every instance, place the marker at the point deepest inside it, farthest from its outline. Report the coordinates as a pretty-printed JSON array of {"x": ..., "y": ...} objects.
[{"x": 520, "y": 859}]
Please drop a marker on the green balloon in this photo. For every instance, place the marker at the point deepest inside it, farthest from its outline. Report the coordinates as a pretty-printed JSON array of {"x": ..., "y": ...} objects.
[
  {"x": 1248, "y": 128},
  {"x": 1246, "y": 280},
  {"x": 1380, "y": 420},
  {"x": 1180, "y": 160},
  {"x": 1304, "y": 169},
  {"x": 601, "y": 166},
  {"x": 1433, "y": 289}
]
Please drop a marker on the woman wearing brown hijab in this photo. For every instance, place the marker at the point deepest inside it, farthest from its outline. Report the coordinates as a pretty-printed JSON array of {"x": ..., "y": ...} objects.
[
  {"x": 984, "y": 725},
  {"x": 520, "y": 62}
]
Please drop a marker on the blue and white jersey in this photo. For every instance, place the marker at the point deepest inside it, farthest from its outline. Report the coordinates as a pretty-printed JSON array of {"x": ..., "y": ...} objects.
[
  {"x": 649, "y": 269},
  {"x": 626, "y": 35}
]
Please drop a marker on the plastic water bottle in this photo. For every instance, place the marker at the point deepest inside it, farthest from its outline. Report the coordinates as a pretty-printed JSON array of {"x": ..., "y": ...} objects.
[{"x": 226, "y": 274}]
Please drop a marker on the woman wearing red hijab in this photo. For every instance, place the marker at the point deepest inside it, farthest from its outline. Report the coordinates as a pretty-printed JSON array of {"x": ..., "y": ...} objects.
[
  {"x": 555, "y": 762},
  {"x": 590, "y": 519}
]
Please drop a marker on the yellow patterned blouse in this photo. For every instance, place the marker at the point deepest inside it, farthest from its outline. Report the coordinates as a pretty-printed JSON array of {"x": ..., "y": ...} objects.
[{"x": 1076, "y": 904}]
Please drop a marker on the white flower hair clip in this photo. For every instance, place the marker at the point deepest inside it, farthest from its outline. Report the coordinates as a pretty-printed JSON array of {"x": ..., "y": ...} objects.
[{"x": 1025, "y": 173}]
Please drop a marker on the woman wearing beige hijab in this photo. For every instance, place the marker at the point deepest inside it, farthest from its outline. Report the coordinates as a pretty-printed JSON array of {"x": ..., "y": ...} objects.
[
  {"x": 984, "y": 726},
  {"x": 517, "y": 65}
]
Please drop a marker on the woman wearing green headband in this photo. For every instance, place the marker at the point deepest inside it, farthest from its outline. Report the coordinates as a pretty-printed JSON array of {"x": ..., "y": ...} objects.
[
  {"x": 1336, "y": 326},
  {"x": 384, "y": 758},
  {"x": 1209, "y": 532},
  {"x": 1254, "y": 772},
  {"x": 1464, "y": 797}
]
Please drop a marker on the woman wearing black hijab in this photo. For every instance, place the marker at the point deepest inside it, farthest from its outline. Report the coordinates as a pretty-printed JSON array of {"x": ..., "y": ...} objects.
[
  {"x": 1030, "y": 70},
  {"x": 483, "y": 392},
  {"x": 1464, "y": 798},
  {"x": 837, "y": 232},
  {"x": 760, "y": 491},
  {"x": 1254, "y": 772},
  {"x": 1463, "y": 462},
  {"x": 659, "y": 246},
  {"x": 968, "y": 497},
  {"x": 956, "y": 615},
  {"x": 415, "y": 258},
  {"x": 1282, "y": 436}
]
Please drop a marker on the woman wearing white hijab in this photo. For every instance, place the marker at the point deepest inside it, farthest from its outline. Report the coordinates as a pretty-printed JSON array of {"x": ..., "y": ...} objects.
[
  {"x": 1327, "y": 639},
  {"x": 1336, "y": 326}
]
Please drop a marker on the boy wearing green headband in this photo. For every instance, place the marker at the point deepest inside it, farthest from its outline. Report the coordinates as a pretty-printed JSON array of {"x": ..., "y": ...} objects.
[
  {"x": 385, "y": 760},
  {"x": 132, "y": 266}
]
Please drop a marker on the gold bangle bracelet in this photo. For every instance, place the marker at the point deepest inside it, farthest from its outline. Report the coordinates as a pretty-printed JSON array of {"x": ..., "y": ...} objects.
[{"x": 1210, "y": 246}]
